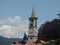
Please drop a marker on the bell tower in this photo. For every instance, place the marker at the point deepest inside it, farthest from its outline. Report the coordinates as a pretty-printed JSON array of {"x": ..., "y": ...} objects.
[{"x": 33, "y": 32}]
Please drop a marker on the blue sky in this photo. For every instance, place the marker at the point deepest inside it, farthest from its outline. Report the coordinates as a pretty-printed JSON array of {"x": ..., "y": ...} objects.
[
  {"x": 15, "y": 13},
  {"x": 44, "y": 9}
]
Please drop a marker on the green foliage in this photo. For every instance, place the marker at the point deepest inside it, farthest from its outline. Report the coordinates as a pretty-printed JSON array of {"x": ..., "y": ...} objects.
[
  {"x": 53, "y": 42},
  {"x": 48, "y": 44},
  {"x": 25, "y": 37},
  {"x": 58, "y": 15},
  {"x": 49, "y": 30}
]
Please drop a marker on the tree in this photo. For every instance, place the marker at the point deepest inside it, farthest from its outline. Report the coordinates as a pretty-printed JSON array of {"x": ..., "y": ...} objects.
[
  {"x": 25, "y": 37},
  {"x": 58, "y": 15},
  {"x": 49, "y": 30}
]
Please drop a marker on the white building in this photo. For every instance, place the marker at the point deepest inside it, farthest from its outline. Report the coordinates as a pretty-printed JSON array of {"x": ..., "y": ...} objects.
[{"x": 33, "y": 32}]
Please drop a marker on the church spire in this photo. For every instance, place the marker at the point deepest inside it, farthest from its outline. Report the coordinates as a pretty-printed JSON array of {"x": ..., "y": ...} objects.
[
  {"x": 33, "y": 12},
  {"x": 33, "y": 32}
]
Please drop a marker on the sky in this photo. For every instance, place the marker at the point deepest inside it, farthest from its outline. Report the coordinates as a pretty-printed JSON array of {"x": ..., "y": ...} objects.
[{"x": 14, "y": 15}]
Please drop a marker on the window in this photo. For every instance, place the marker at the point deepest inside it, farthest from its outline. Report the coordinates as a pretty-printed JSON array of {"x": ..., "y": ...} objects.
[
  {"x": 31, "y": 24},
  {"x": 31, "y": 38}
]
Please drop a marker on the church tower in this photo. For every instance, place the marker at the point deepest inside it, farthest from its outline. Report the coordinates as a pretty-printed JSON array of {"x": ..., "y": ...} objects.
[{"x": 33, "y": 32}]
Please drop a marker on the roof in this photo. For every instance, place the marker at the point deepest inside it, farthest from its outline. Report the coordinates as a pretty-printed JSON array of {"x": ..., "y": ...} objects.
[{"x": 33, "y": 13}]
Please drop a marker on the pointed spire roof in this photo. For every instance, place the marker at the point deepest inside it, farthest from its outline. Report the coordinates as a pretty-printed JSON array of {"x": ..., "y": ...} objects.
[{"x": 33, "y": 12}]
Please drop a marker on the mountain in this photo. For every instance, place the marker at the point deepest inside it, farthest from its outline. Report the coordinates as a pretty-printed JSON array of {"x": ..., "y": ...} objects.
[{"x": 8, "y": 41}]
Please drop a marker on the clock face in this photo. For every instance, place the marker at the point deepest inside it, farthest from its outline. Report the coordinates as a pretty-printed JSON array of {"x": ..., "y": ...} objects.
[{"x": 31, "y": 31}]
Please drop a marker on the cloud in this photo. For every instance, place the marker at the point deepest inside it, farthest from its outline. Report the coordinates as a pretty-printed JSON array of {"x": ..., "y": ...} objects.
[{"x": 13, "y": 27}]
